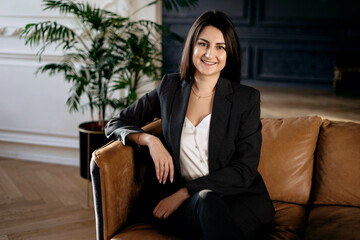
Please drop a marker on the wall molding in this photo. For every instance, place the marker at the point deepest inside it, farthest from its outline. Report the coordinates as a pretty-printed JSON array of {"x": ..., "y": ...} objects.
[
  {"x": 10, "y": 31},
  {"x": 18, "y": 63},
  {"x": 26, "y": 59},
  {"x": 39, "y": 146},
  {"x": 40, "y": 156},
  {"x": 39, "y": 138}
]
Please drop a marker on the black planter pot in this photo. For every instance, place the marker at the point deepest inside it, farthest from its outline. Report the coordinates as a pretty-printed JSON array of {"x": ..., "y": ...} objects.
[{"x": 91, "y": 138}]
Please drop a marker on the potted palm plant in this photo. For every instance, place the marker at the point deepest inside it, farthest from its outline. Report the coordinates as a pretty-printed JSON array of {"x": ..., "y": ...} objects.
[{"x": 104, "y": 54}]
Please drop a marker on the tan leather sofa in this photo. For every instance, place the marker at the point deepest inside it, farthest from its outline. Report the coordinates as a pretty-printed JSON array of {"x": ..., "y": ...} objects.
[{"x": 311, "y": 168}]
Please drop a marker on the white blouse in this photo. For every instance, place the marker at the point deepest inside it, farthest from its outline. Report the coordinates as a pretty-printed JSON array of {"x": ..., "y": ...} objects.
[{"x": 194, "y": 145}]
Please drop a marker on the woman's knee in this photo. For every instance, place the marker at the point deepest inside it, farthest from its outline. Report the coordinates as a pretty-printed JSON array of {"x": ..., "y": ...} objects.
[
  {"x": 207, "y": 195},
  {"x": 208, "y": 199}
]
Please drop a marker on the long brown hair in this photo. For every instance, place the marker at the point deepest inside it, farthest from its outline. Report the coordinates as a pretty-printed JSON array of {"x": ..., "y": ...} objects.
[{"x": 219, "y": 20}]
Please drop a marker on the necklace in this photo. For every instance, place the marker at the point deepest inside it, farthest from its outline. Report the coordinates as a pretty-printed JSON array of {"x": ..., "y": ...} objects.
[{"x": 202, "y": 96}]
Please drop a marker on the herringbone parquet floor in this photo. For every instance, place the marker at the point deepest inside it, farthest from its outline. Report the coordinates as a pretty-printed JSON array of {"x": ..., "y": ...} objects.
[
  {"x": 43, "y": 201},
  {"x": 295, "y": 102}
]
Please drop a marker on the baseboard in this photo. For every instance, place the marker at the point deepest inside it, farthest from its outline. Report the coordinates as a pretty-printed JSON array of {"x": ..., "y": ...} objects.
[
  {"x": 40, "y": 147},
  {"x": 46, "y": 158}
]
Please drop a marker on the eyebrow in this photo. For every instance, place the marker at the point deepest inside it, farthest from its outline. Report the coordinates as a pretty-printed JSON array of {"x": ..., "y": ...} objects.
[{"x": 202, "y": 39}]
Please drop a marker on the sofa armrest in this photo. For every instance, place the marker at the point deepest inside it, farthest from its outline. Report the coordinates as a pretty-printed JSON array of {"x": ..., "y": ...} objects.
[{"x": 113, "y": 179}]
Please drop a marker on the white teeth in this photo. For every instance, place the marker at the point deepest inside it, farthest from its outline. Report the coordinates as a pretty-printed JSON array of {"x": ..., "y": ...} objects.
[{"x": 208, "y": 62}]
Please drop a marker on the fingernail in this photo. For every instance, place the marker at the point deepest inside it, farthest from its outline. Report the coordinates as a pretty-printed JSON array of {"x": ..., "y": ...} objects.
[{"x": 172, "y": 180}]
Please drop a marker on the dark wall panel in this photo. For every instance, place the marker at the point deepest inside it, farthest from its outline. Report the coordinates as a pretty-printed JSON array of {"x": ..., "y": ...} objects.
[
  {"x": 294, "y": 42},
  {"x": 309, "y": 12},
  {"x": 293, "y": 65},
  {"x": 238, "y": 10}
]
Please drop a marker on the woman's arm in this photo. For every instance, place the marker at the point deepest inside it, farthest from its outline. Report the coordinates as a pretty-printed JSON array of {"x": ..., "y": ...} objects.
[
  {"x": 163, "y": 162},
  {"x": 127, "y": 126},
  {"x": 132, "y": 118}
]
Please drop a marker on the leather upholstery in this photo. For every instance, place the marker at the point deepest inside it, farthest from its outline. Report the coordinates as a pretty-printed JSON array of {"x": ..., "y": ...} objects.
[
  {"x": 338, "y": 164},
  {"x": 289, "y": 221},
  {"x": 117, "y": 184},
  {"x": 154, "y": 127},
  {"x": 117, "y": 170},
  {"x": 286, "y": 164},
  {"x": 96, "y": 183},
  {"x": 333, "y": 223},
  {"x": 143, "y": 231},
  {"x": 287, "y": 157}
]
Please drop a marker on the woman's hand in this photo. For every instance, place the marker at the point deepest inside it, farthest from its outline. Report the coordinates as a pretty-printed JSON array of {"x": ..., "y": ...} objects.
[
  {"x": 164, "y": 166},
  {"x": 163, "y": 162},
  {"x": 169, "y": 205}
]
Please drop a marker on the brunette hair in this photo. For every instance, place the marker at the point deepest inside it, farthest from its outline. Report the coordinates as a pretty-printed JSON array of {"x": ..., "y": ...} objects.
[{"x": 219, "y": 20}]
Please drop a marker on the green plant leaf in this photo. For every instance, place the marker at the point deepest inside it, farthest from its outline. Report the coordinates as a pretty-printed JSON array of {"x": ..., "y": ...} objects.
[{"x": 111, "y": 53}]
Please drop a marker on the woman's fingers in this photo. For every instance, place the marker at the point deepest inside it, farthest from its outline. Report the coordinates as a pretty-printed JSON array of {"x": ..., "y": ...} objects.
[
  {"x": 155, "y": 212},
  {"x": 171, "y": 169},
  {"x": 166, "y": 172},
  {"x": 157, "y": 169},
  {"x": 164, "y": 167},
  {"x": 169, "y": 205},
  {"x": 159, "y": 210}
]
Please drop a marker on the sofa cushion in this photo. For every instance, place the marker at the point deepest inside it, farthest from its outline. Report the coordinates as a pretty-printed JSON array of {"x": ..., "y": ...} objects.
[
  {"x": 287, "y": 157},
  {"x": 333, "y": 222},
  {"x": 144, "y": 231},
  {"x": 337, "y": 177},
  {"x": 289, "y": 221}
]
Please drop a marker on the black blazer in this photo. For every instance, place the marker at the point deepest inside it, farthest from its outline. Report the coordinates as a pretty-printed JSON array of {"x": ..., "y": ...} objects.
[{"x": 234, "y": 138}]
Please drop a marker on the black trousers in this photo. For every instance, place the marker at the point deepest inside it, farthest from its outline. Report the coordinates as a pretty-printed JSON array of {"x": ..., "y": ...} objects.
[{"x": 207, "y": 216}]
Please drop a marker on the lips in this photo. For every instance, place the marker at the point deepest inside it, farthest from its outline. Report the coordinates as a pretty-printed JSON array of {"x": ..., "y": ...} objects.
[{"x": 208, "y": 62}]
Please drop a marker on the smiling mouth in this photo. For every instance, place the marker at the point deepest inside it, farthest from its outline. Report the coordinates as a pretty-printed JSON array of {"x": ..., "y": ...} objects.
[{"x": 207, "y": 62}]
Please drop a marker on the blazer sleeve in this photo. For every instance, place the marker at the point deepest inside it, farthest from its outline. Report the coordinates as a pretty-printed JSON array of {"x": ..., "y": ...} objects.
[
  {"x": 241, "y": 172},
  {"x": 131, "y": 119}
]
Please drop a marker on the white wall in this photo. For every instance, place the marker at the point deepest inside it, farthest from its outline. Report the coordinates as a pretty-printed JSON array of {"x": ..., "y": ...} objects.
[{"x": 34, "y": 121}]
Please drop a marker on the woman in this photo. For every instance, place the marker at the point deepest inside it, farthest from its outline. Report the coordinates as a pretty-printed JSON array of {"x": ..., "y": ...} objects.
[{"x": 211, "y": 138}]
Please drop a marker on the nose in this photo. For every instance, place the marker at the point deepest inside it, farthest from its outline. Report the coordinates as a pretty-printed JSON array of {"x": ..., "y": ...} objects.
[{"x": 209, "y": 53}]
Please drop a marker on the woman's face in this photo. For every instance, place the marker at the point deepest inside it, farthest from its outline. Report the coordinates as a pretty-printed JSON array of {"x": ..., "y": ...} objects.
[{"x": 209, "y": 54}]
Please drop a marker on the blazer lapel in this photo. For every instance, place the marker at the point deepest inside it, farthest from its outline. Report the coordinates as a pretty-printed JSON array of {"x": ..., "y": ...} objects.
[
  {"x": 219, "y": 119},
  {"x": 177, "y": 117}
]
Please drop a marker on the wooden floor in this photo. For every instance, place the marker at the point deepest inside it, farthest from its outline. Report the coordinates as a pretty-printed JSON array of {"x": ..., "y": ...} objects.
[
  {"x": 281, "y": 102},
  {"x": 43, "y": 201}
]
